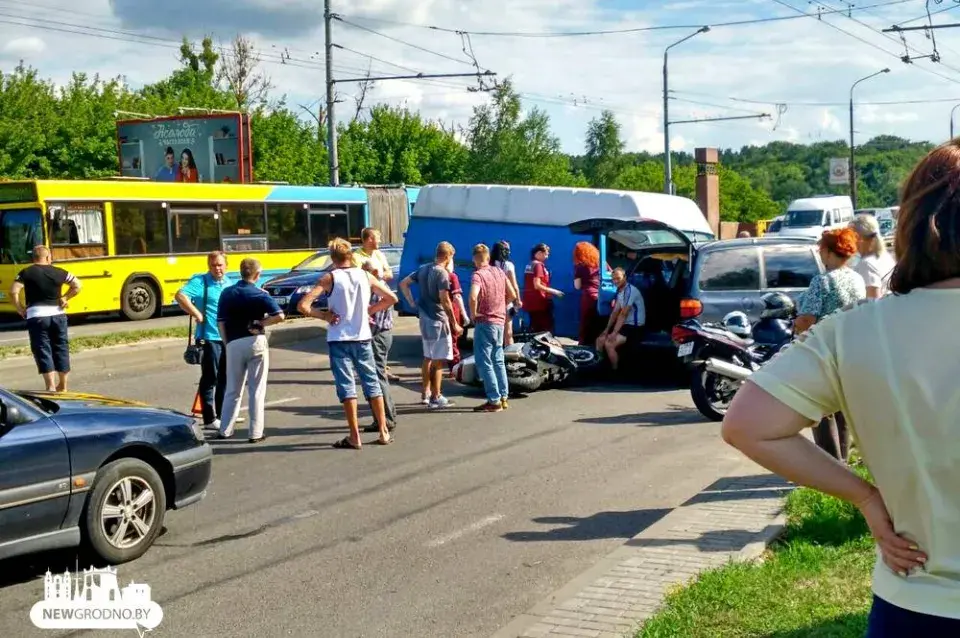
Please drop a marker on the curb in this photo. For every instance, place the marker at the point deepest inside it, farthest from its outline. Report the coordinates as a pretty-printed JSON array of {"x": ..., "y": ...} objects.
[
  {"x": 141, "y": 354},
  {"x": 732, "y": 520}
]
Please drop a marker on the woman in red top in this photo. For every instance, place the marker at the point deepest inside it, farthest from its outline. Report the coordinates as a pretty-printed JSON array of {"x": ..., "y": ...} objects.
[
  {"x": 537, "y": 293},
  {"x": 586, "y": 279},
  {"x": 188, "y": 168}
]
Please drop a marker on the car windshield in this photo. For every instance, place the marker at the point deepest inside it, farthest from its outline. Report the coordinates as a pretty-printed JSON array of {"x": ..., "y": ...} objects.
[
  {"x": 803, "y": 218},
  {"x": 886, "y": 226},
  {"x": 317, "y": 261}
]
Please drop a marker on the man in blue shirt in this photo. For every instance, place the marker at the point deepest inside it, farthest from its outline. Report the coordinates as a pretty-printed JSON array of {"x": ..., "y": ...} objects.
[
  {"x": 167, "y": 172},
  {"x": 200, "y": 298},
  {"x": 245, "y": 311}
]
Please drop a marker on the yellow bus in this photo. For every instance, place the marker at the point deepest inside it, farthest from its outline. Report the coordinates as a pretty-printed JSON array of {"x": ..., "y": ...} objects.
[{"x": 133, "y": 244}]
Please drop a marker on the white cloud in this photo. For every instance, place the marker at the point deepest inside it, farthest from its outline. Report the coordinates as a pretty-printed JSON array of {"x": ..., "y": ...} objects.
[
  {"x": 24, "y": 47},
  {"x": 803, "y": 62}
]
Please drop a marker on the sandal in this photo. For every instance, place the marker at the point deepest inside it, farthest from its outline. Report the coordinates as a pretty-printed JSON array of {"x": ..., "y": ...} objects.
[
  {"x": 345, "y": 444},
  {"x": 382, "y": 442}
]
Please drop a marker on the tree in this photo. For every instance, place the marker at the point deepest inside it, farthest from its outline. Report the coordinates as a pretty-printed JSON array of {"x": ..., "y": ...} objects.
[
  {"x": 239, "y": 73},
  {"x": 604, "y": 158},
  {"x": 286, "y": 148},
  {"x": 509, "y": 148},
  {"x": 28, "y": 120},
  {"x": 193, "y": 85}
]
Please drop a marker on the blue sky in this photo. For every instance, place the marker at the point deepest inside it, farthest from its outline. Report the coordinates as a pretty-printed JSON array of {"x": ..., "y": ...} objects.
[{"x": 798, "y": 70}]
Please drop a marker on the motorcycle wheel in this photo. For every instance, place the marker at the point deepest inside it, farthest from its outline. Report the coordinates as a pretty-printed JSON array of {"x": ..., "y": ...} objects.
[
  {"x": 584, "y": 356},
  {"x": 523, "y": 380},
  {"x": 711, "y": 393}
]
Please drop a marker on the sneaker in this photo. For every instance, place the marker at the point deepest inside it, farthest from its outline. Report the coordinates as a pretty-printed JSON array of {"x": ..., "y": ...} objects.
[
  {"x": 440, "y": 402},
  {"x": 488, "y": 407},
  {"x": 424, "y": 400},
  {"x": 213, "y": 425},
  {"x": 504, "y": 405}
]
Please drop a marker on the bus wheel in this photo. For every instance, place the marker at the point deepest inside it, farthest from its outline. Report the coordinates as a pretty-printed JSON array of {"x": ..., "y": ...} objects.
[{"x": 138, "y": 301}]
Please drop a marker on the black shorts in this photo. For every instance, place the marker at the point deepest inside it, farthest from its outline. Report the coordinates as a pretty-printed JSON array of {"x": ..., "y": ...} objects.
[
  {"x": 49, "y": 343},
  {"x": 631, "y": 333}
]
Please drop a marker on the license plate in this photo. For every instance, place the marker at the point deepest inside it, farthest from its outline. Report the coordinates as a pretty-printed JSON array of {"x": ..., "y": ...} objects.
[
  {"x": 282, "y": 301},
  {"x": 685, "y": 349}
]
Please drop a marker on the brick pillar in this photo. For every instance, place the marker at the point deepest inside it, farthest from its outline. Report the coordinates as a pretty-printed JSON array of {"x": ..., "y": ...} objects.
[{"x": 708, "y": 186}]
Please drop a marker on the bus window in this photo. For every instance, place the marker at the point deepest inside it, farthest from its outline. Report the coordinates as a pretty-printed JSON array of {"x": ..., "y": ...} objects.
[
  {"x": 20, "y": 231},
  {"x": 287, "y": 227},
  {"x": 242, "y": 219},
  {"x": 194, "y": 231},
  {"x": 77, "y": 230},
  {"x": 140, "y": 228},
  {"x": 327, "y": 224},
  {"x": 356, "y": 221}
]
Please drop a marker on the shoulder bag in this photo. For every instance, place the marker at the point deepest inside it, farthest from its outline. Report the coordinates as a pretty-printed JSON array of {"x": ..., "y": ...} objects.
[{"x": 193, "y": 355}]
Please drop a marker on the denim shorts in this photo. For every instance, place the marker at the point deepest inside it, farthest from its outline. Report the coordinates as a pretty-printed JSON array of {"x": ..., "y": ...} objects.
[
  {"x": 49, "y": 343},
  {"x": 349, "y": 358}
]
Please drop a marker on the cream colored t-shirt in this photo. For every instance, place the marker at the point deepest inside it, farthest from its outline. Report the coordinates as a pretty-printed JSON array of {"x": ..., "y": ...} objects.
[
  {"x": 893, "y": 368},
  {"x": 379, "y": 260}
]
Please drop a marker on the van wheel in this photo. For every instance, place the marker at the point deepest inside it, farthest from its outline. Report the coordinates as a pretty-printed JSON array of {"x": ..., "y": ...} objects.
[
  {"x": 124, "y": 513},
  {"x": 139, "y": 300}
]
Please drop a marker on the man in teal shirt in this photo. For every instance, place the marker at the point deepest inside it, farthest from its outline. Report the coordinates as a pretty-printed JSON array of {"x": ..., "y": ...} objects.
[{"x": 200, "y": 298}]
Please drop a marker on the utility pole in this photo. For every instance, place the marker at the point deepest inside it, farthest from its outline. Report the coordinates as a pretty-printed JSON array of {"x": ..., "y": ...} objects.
[
  {"x": 667, "y": 168},
  {"x": 853, "y": 168},
  {"x": 331, "y": 98}
]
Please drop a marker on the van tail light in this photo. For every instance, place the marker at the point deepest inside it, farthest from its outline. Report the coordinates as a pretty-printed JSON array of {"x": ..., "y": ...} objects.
[
  {"x": 690, "y": 308},
  {"x": 679, "y": 334}
]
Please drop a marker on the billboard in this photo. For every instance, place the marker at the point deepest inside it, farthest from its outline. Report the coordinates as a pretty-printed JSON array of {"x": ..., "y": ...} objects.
[
  {"x": 840, "y": 170},
  {"x": 190, "y": 148}
]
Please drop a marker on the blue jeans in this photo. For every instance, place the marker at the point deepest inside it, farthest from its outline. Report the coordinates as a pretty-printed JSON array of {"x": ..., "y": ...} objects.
[
  {"x": 488, "y": 354},
  {"x": 347, "y": 357},
  {"x": 889, "y": 621}
]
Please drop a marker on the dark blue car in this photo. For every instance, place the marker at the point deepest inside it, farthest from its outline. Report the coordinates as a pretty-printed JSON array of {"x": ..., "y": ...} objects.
[
  {"x": 287, "y": 289},
  {"x": 85, "y": 469}
]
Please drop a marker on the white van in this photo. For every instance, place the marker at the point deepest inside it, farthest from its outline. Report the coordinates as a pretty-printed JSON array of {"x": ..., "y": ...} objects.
[{"x": 810, "y": 216}]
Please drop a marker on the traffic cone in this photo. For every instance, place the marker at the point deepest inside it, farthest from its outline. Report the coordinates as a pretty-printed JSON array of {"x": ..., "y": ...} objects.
[{"x": 197, "y": 408}]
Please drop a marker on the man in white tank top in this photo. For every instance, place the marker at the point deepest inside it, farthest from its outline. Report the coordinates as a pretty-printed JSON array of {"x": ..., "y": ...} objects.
[{"x": 349, "y": 337}]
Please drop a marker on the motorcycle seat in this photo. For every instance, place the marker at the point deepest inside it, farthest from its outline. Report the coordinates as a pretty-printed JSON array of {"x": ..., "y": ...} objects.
[{"x": 746, "y": 343}]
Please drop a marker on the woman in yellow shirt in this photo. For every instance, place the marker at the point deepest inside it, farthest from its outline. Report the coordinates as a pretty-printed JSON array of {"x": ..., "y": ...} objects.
[{"x": 891, "y": 366}]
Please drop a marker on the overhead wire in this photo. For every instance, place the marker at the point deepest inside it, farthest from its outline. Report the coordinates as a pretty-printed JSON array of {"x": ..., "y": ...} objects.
[{"x": 340, "y": 19}]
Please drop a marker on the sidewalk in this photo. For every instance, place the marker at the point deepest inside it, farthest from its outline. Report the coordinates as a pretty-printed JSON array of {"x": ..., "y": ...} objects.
[{"x": 735, "y": 518}]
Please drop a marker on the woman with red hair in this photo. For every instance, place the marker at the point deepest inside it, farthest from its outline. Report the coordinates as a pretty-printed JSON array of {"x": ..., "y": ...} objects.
[
  {"x": 837, "y": 288},
  {"x": 586, "y": 279}
]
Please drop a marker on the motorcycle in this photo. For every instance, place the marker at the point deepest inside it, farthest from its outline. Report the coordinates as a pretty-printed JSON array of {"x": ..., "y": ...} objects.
[
  {"x": 721, "y": 357},
  {"x": 534, "y": 362}
]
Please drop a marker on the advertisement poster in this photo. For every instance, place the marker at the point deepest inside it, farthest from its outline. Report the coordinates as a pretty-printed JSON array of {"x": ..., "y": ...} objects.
[
  {"x": 209, "y": 148},
  {"x": 840, "y": 170}
]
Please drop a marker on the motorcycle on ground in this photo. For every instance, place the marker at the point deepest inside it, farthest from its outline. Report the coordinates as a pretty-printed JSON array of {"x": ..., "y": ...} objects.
[
  {"x": 534, "y": 362},
  {"x": 721, "y": 356}
]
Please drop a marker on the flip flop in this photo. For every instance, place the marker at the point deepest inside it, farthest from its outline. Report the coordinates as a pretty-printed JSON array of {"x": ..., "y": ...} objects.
[
  {"x": 345, "y": 444},
  {"x": 382, "y": 442}
]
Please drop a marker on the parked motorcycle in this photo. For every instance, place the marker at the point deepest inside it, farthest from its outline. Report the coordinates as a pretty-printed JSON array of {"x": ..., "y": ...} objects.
[
  {"x": 720, "y": 357},
  {"x": 534, "y": 362}
]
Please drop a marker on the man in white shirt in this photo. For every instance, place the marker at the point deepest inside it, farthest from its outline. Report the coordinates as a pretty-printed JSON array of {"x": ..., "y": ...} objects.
[{"x": 626, "y": 321}]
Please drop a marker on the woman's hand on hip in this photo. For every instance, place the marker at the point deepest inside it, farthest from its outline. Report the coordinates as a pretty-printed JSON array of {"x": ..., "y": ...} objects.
[{"x": 900, "y": 555}]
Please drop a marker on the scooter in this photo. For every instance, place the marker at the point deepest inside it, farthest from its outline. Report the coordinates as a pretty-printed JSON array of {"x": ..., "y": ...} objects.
[
  {"x": 534, "y": 362},
  {"x": 720, "y": 360}
]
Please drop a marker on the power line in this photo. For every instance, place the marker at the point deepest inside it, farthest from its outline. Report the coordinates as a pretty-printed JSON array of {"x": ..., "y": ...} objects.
[
  {"x": 571, "y": 34},
  {"x": 375, "y": 59},
  {"x": 815, "y": 103},
  {"x": 340, "y": 19},
  {"x": 932, "y": 13}
]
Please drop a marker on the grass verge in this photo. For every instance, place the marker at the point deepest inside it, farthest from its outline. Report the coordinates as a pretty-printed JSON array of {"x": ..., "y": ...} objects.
[
  {"x": 814, "y": 581},
  {"x": 93, "y": 342}
]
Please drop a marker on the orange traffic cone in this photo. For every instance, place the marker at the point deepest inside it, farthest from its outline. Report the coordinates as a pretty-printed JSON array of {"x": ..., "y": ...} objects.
[{"x": 197, "y": 408}]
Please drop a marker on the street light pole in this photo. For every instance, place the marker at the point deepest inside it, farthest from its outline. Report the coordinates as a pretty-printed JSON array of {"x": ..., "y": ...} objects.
[
  {"x": 853, "y": 168},
  {"x": 952, "y": 111},
  {"x": 667, "y": 169}
]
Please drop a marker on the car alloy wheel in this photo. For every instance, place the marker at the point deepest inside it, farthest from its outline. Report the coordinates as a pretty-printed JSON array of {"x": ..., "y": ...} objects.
[{"x": 127, "y": 516}]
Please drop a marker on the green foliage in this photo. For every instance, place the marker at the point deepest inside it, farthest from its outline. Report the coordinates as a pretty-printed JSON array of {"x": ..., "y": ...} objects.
[{"x": 69, "y": 131}]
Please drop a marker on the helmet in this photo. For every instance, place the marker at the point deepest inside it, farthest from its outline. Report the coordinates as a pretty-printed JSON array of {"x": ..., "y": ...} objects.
[
  {"x": 777, "y": 305},
  {"x": 737, "y": 323}
]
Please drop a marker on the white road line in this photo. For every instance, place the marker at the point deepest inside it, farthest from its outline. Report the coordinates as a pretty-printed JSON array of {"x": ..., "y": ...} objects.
[
  {"x": 270, "y": 404},
  {"x": 474, "y": 527}
]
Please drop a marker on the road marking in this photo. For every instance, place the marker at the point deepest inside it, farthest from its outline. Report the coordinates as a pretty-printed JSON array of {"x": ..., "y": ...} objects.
[
  {"x": 475, "y": 527},
  {"x": 270, "y": 404}
]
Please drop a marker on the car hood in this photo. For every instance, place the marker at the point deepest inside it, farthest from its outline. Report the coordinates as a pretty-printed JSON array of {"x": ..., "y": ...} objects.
[
  {"x": 294, "y": 278},
  {"x": 76, "y": 402}
]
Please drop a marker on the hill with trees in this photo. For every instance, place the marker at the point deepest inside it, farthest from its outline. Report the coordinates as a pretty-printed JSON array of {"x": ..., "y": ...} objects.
[{"x": 49, "y": 131}]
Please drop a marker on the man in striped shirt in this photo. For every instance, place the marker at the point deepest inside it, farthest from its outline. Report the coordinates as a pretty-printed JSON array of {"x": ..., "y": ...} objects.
[{"x": 626, "y": 321}]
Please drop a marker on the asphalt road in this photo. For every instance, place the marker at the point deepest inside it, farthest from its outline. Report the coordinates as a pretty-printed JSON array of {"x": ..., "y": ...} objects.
[
  {"x": 464, "y": 522},
  {"x": 13, "y": 332}
]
